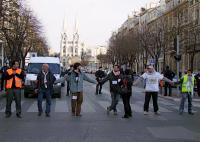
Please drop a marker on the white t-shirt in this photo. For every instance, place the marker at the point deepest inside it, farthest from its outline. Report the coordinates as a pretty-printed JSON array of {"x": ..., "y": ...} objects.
[{"x": 152, "y": 81}]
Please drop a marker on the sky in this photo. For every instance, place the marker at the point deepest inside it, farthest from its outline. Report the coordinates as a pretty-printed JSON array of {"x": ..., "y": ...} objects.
[{"x": 96, "y": 19}]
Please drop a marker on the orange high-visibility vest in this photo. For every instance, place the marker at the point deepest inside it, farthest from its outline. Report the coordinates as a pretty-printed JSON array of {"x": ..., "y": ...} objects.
[{"x": 18, "y": 81}]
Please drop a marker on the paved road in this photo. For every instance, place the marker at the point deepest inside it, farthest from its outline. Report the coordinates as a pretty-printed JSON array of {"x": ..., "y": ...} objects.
[{"x": 96, "y": 126}]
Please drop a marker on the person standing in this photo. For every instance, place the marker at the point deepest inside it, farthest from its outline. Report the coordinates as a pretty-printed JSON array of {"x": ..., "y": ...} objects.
[
  {"x": 197, "y": 77},
  {"x": 115, "y": 80},
  {"x": 170, "y": 75},
  {"x": 14, "y": 77},
  {"x": 3, "y": 73},
  {"x": 75, "y": 80},
  {"x": 151, "y": 88},
  {"x": 45, "y": 81},
  {"x": 187, "y": 87},
  {"x": 126, "y": 93},
  {"x": 100, "y": 74}
]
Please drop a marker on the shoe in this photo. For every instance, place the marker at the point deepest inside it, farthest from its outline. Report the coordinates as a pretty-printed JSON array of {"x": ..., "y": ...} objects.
[
  {"x": 156, "y": 113},
  {"x": 125, "y": 116},
  {"x": 146, "y": 113},
  {"x": 190, "y": 113},
  {"x": 8, "y": 115},
  {"x": 47, "y": 115},
  {"x": 39, "y": 113},
  {"x": 130, "y": 115},
  {"x": 78, "y": 115},
  {"x": 100, "y": 93},
  {"x": 108, "y": 110},
  {"x": 18, "y": 115}
]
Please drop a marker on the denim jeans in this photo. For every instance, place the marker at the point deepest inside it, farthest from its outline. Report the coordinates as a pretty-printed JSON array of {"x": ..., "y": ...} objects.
[
  {"x": 183, "y": 98},
  {"x": 115, "y": 100},
  {"x": 47, "y": 94}
]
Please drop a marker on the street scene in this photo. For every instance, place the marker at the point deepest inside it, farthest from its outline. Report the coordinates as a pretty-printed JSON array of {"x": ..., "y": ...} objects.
[
  {"x": 99, "y": 71},
  {"x": 96, "y": 125}
]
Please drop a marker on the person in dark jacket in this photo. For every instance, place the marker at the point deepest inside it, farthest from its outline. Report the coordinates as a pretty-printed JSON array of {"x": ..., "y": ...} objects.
[
  {"x": 115, "y": 80},
  {"x": 3, "y": 73},
  {"x": 45, "y": 81},
  {"x": 100, "y": 74},
  {"x": 68, "y": 72},
  {"x": 14, "y": 77},
  {"x": 197, "y": 78},
  {"x": 126, "y": 93},
  {"x": 170, "y": 75}
]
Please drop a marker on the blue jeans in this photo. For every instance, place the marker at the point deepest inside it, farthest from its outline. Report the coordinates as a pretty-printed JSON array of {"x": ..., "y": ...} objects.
[
  {"x": 47, "y": 94},
  {"x": 184, "y": 97},
  {"x": 115, "y": 100}
]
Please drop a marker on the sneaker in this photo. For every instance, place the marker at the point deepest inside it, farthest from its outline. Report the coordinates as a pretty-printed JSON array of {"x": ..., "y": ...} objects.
[
  {"x": 18, "y": 115},
  {"x": 146, "y": 113},
  {"x": 47, "y": 115},
  {"x": 115, "y": 112},
  {"x": 190, "y": 113},
  {"x": 156, "y": 113}
]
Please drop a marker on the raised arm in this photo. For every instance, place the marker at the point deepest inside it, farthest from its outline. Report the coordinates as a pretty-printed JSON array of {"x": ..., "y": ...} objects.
[{"x": 86, "y": 78}]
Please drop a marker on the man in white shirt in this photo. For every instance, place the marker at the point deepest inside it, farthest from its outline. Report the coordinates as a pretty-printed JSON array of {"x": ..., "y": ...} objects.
[{"x": 152, "y": 87}]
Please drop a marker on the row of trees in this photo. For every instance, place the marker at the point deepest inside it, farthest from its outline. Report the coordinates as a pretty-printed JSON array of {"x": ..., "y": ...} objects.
[
  {"x": 20, "y": 30},
  {"x": 153, "y": 40}
]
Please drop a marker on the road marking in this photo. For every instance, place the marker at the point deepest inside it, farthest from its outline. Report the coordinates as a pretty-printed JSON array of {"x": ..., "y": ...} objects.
[
  {"x": 105, "y": 104},
  {"x": 34, "y": 106},
  {"x": 13, "y": 108},
  {"x": 86, "y": 107}
]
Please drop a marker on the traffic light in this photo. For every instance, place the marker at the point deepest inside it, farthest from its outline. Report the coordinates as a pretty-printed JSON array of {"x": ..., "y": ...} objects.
[{"x": 177, "y": 57}]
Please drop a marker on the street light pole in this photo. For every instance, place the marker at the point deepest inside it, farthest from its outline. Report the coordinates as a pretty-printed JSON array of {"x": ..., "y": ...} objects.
[{"x": 178, "y": 61}]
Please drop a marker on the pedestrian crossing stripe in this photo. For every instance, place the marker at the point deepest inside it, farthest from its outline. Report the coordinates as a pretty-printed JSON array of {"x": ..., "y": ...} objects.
[
  {"x": 64, "y": 106},
  {"x": 13, "y": 107}
]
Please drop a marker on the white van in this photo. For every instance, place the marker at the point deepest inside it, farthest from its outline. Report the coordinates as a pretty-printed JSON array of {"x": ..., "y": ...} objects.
[{"x": 34, "y": 67}]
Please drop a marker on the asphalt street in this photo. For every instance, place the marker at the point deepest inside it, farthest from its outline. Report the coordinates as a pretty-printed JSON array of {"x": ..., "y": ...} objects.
[{"x": 95, "y": 125}]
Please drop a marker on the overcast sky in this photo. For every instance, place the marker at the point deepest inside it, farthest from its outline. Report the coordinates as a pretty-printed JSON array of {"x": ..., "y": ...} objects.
[{"x": 96, "y": 18}]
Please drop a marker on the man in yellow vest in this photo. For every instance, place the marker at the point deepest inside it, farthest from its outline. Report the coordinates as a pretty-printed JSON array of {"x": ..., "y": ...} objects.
[
  {"x": 187, "y": 85},
  {"x": 14, "y": 77}
]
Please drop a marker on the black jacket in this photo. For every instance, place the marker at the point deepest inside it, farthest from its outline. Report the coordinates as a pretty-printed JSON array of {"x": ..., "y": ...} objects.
[
  {"x": 115, "y": 82},
  {"x": 50, "y": 80},
  {"x": 197, "y": 78},
  {"x": 127, "y": 83},
  {"x": 100, "y": 74},
  {"x": 169, "y": 74}
]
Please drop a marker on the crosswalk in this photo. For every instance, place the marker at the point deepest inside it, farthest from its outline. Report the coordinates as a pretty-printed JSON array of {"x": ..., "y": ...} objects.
[{"x": 60, "y": 106}]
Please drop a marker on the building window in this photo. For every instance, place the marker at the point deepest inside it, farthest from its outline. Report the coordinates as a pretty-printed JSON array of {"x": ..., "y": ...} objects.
[{"x": 191, "y": 2}]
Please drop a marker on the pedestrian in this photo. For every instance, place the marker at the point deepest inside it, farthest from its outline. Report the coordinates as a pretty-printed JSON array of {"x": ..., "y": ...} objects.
[
  {"x": 76, "y": 87},
  {"x": 151, "y": 88},
  {"x": 14, "y": 77},
  {"x": 170, "y": 75},
  {"x": 126, "y": 93},
  {"x": 68, "y": 72},
  {"x": 100, "y": 74},
  {"x": 45, "y": 81},
  {"x": 197, "y": 77},
  {"x": 187, "y": 86},
  {"x": 3, "y": 73},
  {"x": 115, "y": 80}
]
